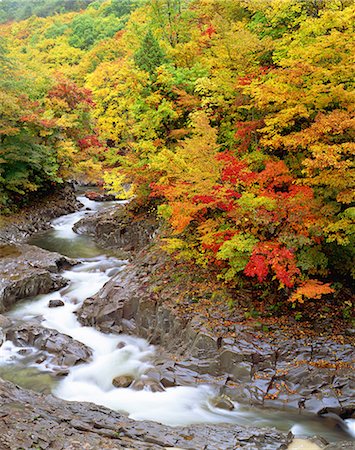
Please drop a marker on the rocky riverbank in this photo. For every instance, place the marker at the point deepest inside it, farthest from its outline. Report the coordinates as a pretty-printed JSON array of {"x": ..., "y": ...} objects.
[
  {"x": 254, "y": 367},
  {"x": 29, "y": 420},
  {"x": 26, "y": 270},
  {"x": 37, "y": 216}
]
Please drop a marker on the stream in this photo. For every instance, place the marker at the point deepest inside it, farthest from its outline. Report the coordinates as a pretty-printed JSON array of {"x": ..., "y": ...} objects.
[{"x": 116, "y": 355}]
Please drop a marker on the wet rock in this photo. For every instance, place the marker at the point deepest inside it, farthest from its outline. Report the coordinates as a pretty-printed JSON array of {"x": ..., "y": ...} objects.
[
  {"x": 148, "y": 384},
  {"x": 55, "y": 303},
  {"x": 222, "y": 402},
  {"x": 64, "y": 351},
  {"x": 334, "y": 421},
  {"x": 118, "y": 228},
  {"x": 168, "y": 379},
  {"x": 99, "y": 196},
  {"x": 122, "y": 381},
  {"x": 343, "y": 445},
  {"x": 32, "y": 420},
  {"x": 4, "y": 321},
  {"x": 27, "y": 271},
  {"x": 36, "y": 217}
]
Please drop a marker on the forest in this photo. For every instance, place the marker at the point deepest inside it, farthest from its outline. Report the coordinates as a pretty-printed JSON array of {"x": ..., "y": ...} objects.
[{"x": 233, "y": 120}]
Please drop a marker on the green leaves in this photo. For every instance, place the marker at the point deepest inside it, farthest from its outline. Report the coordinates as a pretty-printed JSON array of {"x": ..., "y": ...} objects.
[
  {"x": 236, "y": 251},
  {"x": 149, "y": 56}
]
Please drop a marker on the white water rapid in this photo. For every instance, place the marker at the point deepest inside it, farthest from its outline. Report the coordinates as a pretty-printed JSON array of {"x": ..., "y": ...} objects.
[{"x": 92, "y": 381}]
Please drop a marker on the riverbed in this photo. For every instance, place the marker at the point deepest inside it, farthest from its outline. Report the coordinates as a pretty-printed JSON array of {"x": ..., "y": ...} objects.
[{"x": 118, "y": 355}]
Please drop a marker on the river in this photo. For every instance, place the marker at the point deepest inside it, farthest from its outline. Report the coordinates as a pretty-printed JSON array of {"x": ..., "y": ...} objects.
[{"x": 116, "y": 355}]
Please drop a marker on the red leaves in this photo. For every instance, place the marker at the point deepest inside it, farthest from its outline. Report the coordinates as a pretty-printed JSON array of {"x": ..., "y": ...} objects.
[
  {"x": 89, "y": 141},
  {"x": 72, "y": 94},
  {"x": 273, "y": 256},
  {"x": 233, "y": 170},
  {"x": 205, "y": 199},
  {"x": 275, "y": 177}
]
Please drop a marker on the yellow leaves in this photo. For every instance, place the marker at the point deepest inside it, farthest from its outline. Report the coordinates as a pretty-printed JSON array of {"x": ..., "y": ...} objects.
[
  {"x": 115, "y": 86},
  {"x": 90, "y": 170},
  {"x": 183, "y": 250},
  {"x": 186, "y": 54},
  {"x": 310, "y": 289},
  {"x": 235, "y": 48},
  {"x": 342, "y": 229},
  {"x": 118, "y": 184}
]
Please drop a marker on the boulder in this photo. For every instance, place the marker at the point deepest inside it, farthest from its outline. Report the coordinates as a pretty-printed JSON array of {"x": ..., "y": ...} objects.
[
  {"x": 222, "y": 402},
  {"x": 55, "y": 303},
  {"x": 27, "y": 271},
  {"x": 123, "y": 381},
  {"x": 63, "y": 351},
  {"x": 118, "y": 228},
  {"x": 99, "y": 196}
]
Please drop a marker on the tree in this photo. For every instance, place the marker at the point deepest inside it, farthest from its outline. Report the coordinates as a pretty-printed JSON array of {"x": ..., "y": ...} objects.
[{"x": 149, "y": 56}]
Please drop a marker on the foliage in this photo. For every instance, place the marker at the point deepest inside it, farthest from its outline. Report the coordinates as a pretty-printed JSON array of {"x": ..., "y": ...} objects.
[
  {"x": 234, "y": 118},
  {"x": 22, "y": 9},
  {"x": 149, "y": 56}
]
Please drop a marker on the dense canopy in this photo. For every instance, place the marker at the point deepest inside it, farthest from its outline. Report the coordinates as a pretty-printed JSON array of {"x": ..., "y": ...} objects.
[{"x": 234, "y": 119}]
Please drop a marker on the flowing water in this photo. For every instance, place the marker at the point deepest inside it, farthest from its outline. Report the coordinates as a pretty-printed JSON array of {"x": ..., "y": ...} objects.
[{"x": 92, "y": 381}]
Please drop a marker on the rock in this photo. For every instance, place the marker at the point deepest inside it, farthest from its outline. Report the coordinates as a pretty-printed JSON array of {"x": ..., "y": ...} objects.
[
  {"x": 334, "y": 421},
  {"x": 168, "y": 380},
  {"x": 342, "y": 445},
  {"x": 55, "y": 303},
  {"x": 148, "y": 384},
  {"x": 122, "y": 381},
  {"x": 27, "y": 271},
  {"x": 64, "y": 351},
  {"x": 307, "y": 444},
  {"x": 118, "y": 228},
  {"x": 38, "y": 216},
  {"x": 222, "y": 402},
  {"x": 99, "y": 197},
  {"x": 33, "y": 420},
  {"x": 4, "y": 321}
]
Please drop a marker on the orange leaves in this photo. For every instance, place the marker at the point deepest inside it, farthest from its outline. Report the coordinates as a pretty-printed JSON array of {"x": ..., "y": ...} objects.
[{"x": 310, "y": 289}]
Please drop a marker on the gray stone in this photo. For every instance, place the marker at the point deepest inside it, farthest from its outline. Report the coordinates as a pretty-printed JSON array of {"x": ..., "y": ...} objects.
[
  {"x": 27, "y": 271},
  {"x": 118, "y": 228},
  {"x": 32, "y": 420},
  {"x": 343, "y": 445},
  {"x": 222, "y": 402},
  {"x": 55, "y": 303},
  {"x": 18, "y": 227},
  {"x": 63, "y": 350}
]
